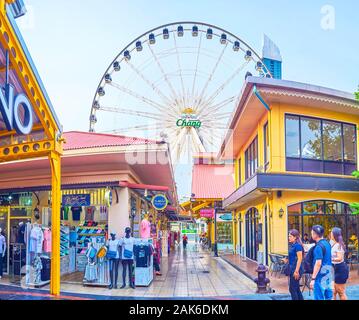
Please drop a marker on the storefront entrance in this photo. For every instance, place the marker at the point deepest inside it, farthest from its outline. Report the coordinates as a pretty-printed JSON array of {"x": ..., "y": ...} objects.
[
  {"x": 329, "y": 214},
  {"x": 251, "y": 234}
]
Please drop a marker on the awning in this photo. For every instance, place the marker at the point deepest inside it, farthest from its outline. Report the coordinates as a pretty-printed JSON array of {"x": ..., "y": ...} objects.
[{"x": 143, "y": 186}]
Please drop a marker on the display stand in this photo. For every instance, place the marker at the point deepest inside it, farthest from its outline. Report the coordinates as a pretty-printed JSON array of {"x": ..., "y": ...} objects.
[
  {"x": 18, "y": 261},
  {"x": 101, "y": 265},
  {"x": 30, "y": 280},
  {"x": 144, "y": 275}
]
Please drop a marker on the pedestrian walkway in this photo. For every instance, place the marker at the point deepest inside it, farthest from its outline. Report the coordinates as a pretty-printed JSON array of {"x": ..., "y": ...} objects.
[
  {"x": 185, "y": 273},
  {"x": 279, "y": 282}
]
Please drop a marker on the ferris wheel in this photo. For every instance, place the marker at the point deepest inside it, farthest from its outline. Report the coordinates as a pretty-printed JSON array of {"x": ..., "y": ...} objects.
[{"x": 179, "y": 83}]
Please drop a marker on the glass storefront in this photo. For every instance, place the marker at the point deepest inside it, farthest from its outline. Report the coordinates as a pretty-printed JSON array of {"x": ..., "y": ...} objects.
[{"x": 329, "y": 214}]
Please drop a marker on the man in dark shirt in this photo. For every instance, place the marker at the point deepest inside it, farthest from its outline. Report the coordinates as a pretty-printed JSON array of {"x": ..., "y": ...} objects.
[{"x": 322, "y": 278}]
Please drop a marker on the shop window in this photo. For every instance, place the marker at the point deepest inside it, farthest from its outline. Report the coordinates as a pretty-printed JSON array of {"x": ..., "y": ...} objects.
[
  {"x": 321, "y": 146},
  {"x": 251, "y": 158},
  {"x": 266, "y": 146},
  {"x": 329, "y": 214},
  {"x": 311, "y": 137},
  {"x": 292, "y": 136},
  {"x": 332, "y": 141}
]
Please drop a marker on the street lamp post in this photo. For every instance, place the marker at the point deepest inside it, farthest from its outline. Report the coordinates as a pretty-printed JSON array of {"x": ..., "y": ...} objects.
[
  {"x": 217, "y": 206},
  {"x": 215, "y": 248}
]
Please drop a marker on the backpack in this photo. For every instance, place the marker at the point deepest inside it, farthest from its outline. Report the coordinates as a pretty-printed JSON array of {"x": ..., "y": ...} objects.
[{"x": 309, "y": 258}]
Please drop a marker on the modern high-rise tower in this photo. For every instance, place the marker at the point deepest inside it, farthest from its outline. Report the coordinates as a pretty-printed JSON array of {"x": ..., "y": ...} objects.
[{"x": 272, "y": 57}]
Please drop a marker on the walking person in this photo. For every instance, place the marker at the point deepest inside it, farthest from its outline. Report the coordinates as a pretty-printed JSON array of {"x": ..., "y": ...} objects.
[
  {"x": 341, "y": 270},
  {"x": 322, "y": 276},
  {"x": 184, "y": 241},
  {"x": 294, "y": 264}
]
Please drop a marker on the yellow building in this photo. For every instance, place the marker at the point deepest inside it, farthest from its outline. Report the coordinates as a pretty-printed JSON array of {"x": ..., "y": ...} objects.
[{"x": 294, "y": 148}]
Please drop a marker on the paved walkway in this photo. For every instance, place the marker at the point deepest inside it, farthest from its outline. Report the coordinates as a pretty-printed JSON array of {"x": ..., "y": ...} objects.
[
  {"x": 279, "y": 283},
  {"x": 186, "y": 274}
]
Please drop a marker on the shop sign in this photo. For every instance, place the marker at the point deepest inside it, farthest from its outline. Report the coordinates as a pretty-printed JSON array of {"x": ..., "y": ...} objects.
[
  {"x": 12, "y": 106},
  {"x": 207, "y": 213},
  {"x": 189, "y": 123},
  {"x": 224, "y": 217},
  {"x": 76, "y": 200},
  {"x": 189, "y": 231},
  {"x": 160, "y": 202}
]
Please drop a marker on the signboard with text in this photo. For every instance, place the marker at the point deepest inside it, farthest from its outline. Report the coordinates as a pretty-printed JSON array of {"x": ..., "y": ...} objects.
[{"x": 76, "y": 200}]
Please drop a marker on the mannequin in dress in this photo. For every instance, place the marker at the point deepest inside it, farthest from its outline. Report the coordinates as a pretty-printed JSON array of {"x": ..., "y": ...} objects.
[
  {"x": 2, "y": 251},
  {"x": 127, "y": 244},
  {"x": 113, "y": 246},
  {"x": 145, "y": 228}
]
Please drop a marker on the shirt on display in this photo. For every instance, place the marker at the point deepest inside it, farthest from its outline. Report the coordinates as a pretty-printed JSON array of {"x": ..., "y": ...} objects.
[
  {"x": 47, "y": 240},
  {"x": 65, "y": 213},
  {"x": 142, "y": 255},
  {"x": 145, "y": 229},
  {"x": 21, "y": 234},
  {"x": 127, "y": 245},
  {"x": 90, "y": 214},
  {"x": 76, "y": 213},
  {"x": 2, "y": 244},
  {"x": 36, "y": 239},
  {"x": 113, "y": 246}
]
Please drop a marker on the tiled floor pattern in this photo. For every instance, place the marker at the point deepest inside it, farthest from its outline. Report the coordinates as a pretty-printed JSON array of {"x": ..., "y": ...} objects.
[{"x": 184, "y": 274}]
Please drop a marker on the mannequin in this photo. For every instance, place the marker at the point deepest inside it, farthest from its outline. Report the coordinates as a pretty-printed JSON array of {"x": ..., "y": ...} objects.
[
  {"x": 127, "y": 244},
  {"x": 145, "y": 229},
  {"x": 2, "y": 251},
  {"x": 113, "y": 246}
]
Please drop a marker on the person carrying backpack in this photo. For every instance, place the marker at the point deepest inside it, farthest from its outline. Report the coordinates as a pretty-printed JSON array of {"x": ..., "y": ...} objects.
[
  {"x": 341, "y": 270},
  {"x": 322, "y": 275}
]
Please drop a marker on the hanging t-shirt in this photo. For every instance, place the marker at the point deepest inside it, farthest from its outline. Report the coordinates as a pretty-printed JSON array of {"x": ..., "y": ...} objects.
[
  {"x": 90, "y": 214},
  {"x": 47, "y": 240},
  {"x": 127, "y": 245},
  {"x": 145, "y": 229},
  {"x": 21, "y": 234},
  {"x": 65, "y": 213},
  {"x": 76, "y": 213},
  {"x": 142, "y": 256},
  {"x": 36, "y": 239}
]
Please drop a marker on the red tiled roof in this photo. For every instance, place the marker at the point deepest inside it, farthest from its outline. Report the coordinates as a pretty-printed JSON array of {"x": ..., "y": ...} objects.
[
  {"x": 82, "y": 140},
  {"x": 212, "y": 181}
]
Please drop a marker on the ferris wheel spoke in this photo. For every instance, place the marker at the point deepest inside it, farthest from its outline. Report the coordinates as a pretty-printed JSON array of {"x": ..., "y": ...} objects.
[
  {"x": 197, "y": 62},
  {"x": 216, "y": 107},
  {"x": 220, "y": 116},
  {"x": 180, "y": 71},
  {"x": 197, "y": 140},
  {"x": 224, "y": 85},
  {"x": 138, "y": 96},
  {"x": 149, "y": 83},
  {"x": 169, "y": 84},
  {"x": 152, "y": 127},
  {"x": 211, "y": 75},
  {"x": 210, "y": 138},
  {"x": 133, "y": 112}
]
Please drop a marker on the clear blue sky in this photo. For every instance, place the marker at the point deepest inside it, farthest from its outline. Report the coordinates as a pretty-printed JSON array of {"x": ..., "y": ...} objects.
[{"x": 73, "y": 42}]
